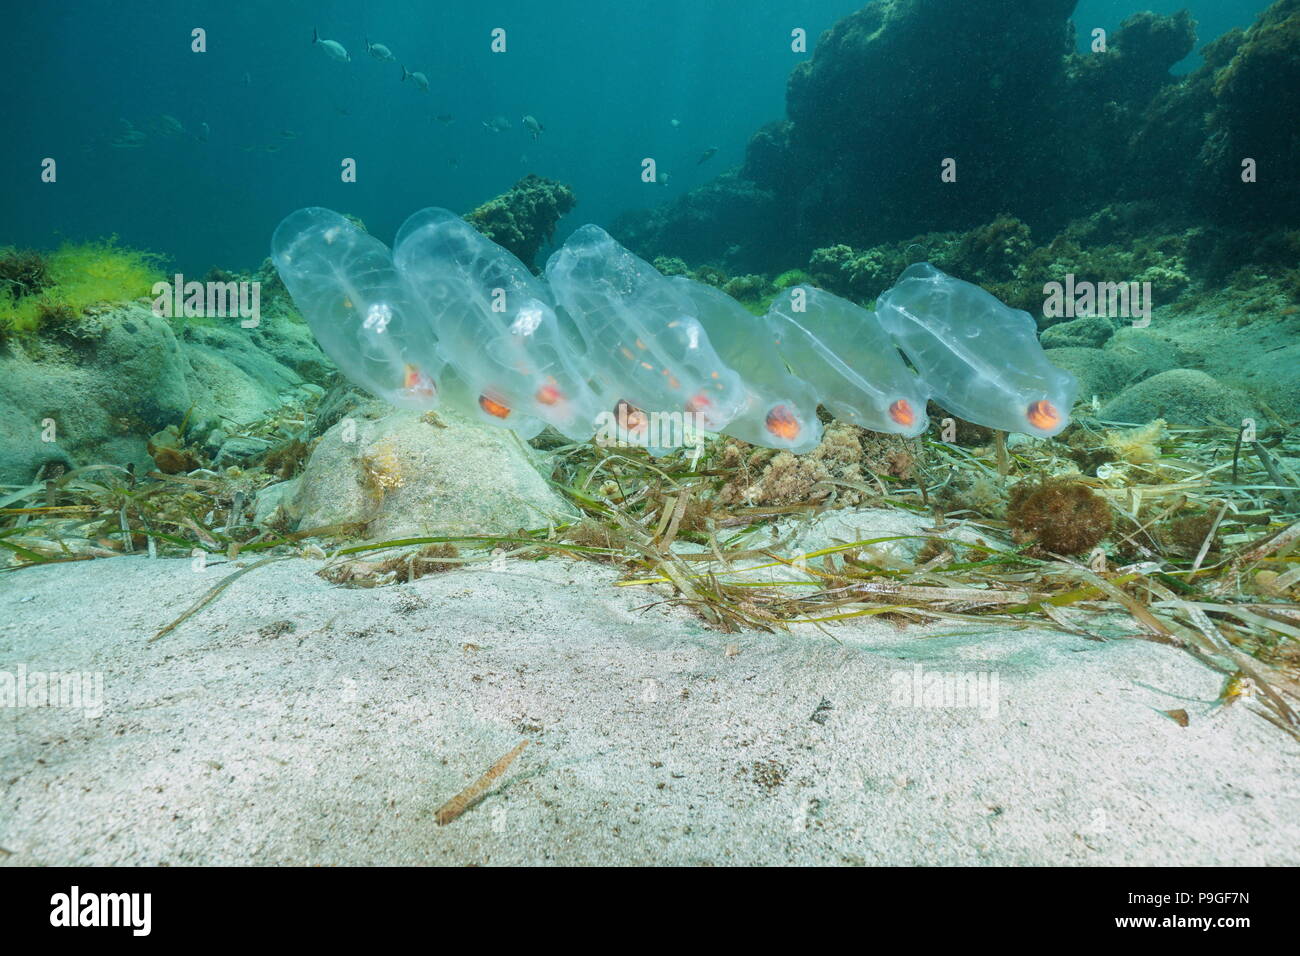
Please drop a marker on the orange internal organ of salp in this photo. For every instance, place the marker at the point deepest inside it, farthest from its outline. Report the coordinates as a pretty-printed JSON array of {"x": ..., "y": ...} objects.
[
  {"x": 416, "y": 382},
  {"x": 1043, "y": 414},
  {"x": 698, "y": 402},
  {"x": 493, "y": 407},
  {"x": 630, "y": 418},
  {"x": 549, "y": 395},
  {"x": 782, "y": 423},
  {"x": 901, "y": 412}
]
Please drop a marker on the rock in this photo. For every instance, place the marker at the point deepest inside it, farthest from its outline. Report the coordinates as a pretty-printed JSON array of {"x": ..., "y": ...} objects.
[
  {"x": 1091, "y": 331},
  {"x": 341, "y": 400},
  {"x": 1148, "y": 350},
  {"x": 1099, "y": 372},
  {"x": 216, "y": 437},
  {"x": 523, "y": 219},
  {"x": 232, "y": 374},
  {"x": 95, "y": 397},
  {"x": 95, "y": 392},
  {"x": 240, "y": 451},
  {"x": 404, "y": 476},
  {"x": 272, "y": 497},
  {"x": 1181, "y": 396}
]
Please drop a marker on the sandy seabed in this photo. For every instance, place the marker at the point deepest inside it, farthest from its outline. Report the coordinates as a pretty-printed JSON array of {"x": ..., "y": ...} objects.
[{"x": 295, "y": 722}]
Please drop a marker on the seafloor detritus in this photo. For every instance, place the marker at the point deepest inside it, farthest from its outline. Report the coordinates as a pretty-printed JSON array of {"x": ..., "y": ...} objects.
[{"x": 1058, "y": 516}]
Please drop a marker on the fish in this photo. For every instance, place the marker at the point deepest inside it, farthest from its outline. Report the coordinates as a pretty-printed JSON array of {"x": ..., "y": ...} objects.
[
  {"x": 288, "y": 134},
  {"x": 497, "y": 124},
  {"x": 167, "y": 125},
  {"x": 530, "y": 123},
  {"x": 708, "y": 153},
  {"x": 379, "y": 51},
  {"x": 332, "y": 48},
  {"x": 128, "y": 137},
  {"x": 674, "y": 122},
  {"x": 445, "y": 118},
  {"x": 204, "y": 131},
  {"x": 419, "y": 79},
  {"x": 662, "y": 178}
]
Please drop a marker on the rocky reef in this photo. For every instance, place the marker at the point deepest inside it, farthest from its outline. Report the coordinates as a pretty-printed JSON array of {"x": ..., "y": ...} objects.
[
  {"x": 1037, "y": 132},
  {"x": 523, "y": 218}
]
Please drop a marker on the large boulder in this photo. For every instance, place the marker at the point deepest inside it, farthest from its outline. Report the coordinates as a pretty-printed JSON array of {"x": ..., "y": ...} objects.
[
  {"x": 1099, "y": 372},
  {"x": 90, "y": 393},
  {"x": 405, "y": 474},
  {"x": 113, "y": 378},
  {"x": 1181, "y": 396}
]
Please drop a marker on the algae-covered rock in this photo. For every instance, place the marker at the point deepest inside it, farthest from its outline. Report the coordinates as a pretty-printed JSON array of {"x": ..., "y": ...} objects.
[
  {"x": 1099, "y": 372},
  {"x": 93, "y": 397},
  {"x": 524, "y": 218},
  {"x": 95, "y": 390},
  {"x": 1091, "y": 331},
  {"x": 1181, "y": 396},
  {"x": 405, "y": 474}
]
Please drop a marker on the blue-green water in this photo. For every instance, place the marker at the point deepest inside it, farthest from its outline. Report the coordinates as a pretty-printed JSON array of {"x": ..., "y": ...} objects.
[{"x": 265, "y": 116}]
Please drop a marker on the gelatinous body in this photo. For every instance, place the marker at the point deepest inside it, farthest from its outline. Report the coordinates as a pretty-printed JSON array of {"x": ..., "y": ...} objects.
[
  {"x": 495, "y": 324},
  {"x": 980, "y": 357},
  {"x": 780, "y": 410},
  {"x": 642, "y": 337},
  {"x": 843, "y": 351},
  {"x": 609, "y": 345},
  {"x": 360, "y": 308}
]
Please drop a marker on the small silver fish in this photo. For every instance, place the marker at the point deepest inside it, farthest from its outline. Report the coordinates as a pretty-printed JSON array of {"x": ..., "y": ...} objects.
[
  {"x": 534, "y": 127},
  {"x": 203, "y": 133},
  {"x": 497, "y": 124},
  {"x": 379, "y": 51},
  {"x": 332, "y": 47},
  {"x": 707, "y": 153},
  {"x": 674, "y": 122},
  {"x": 169, "y": 125},
  {"x": 445, "y": 118},
  {"x": 419, "y": 79}
]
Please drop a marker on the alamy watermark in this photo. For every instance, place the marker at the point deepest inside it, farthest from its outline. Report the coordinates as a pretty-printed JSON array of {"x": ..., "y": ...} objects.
[
  {"x": 75, "y": 690},
  {"x": 630, "y": 427},
  {"x": 1113, "y": 300},
  {"x": 215, "y": 300},
  {"x": 936, "y": 690}
]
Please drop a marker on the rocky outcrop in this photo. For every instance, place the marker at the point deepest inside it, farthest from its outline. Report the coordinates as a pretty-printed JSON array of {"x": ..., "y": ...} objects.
[
  {"x": 523, "y": 218},
  {"x": 1036, "y": 130},
  {"x": 95, "y": 391}
]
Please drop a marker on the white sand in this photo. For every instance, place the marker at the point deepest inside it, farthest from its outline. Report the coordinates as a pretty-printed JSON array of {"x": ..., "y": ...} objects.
[{"x": 228, "y": 742}]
